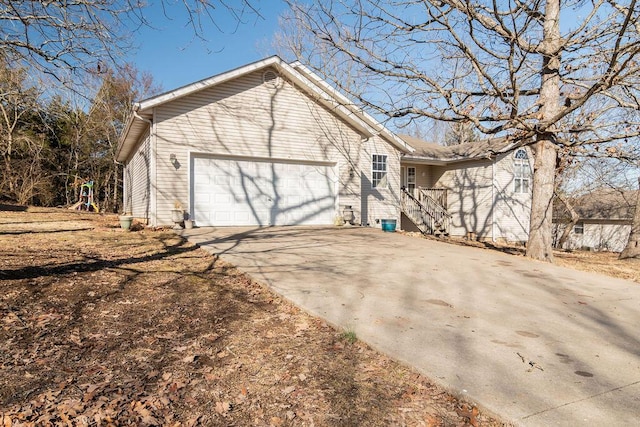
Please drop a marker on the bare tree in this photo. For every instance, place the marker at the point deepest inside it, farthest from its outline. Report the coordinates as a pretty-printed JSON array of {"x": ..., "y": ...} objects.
[
  {"x": 21, "y": 142},
  {"x": 549, "y": 73},
  {"x": 106, "y": 120},
  {"x": 632, "y": 250},
  {"x": 293, "y": 39},
  {"x": 67, "y": 38},
  {"x": 460, "y": 133}
]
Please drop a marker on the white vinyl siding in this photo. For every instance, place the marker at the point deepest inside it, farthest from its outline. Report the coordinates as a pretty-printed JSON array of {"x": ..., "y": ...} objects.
[
  {"x": 379, "y": 203},
  {"x": 246, "y": 117},
  {"x": 481, "y": 197},
  {"x": 512, "y": 209},
  {"x": 600, "y": 235},
  {"x": 137, "y": 181},
  {"x": 469, "y": 195}
]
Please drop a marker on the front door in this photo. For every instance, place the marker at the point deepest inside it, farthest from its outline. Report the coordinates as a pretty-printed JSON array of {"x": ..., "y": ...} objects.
[{"x": 411, "y": 180}]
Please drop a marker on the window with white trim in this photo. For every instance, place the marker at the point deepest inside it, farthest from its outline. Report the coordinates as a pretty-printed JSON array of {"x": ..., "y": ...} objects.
[
  {"x": 578, "y": 228},
  {"x": 379, "y": 171},
  {"x": 411, "y": 179},
  {"x": 521, "y": 171}
]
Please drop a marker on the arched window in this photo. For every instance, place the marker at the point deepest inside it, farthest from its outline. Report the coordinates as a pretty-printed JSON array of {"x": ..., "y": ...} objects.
[{"x": 521, "y": 171}]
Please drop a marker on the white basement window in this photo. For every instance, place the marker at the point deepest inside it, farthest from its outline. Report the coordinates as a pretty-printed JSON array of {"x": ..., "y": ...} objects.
[{"x": 379, "y": 171}]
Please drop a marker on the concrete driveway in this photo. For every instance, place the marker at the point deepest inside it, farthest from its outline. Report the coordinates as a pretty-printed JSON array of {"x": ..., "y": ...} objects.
[{"x": 534, "y": 343}]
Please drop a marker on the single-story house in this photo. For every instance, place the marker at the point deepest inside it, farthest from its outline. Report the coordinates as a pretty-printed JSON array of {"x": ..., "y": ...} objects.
[
  {"x": 270, "y": 143},
  {"x": 605, "y": 216}
]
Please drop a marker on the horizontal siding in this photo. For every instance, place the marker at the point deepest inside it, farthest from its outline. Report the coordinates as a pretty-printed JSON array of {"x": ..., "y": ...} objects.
[
  {"x": 137, "y": 186},
  {"x": 597, "y": 236},
  {"x": 513, "y": 210},
  {"x": 246, "y": 117},
  {"x": 142, "y": 187},
  {"x": 379, "y": 203},
  {"x": 481, "y": 197},
  {"x": 469, "y": 195}
]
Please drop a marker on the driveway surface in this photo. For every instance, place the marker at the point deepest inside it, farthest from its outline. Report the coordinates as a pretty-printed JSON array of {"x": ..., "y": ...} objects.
[{"x": 537, "y": 344}]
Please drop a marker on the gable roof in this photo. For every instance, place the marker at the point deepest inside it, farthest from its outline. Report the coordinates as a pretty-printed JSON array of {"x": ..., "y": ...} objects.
[
  {"x": 432, "y": 153},
  {"x": 305, "y": 80},
  {"x": 600, "y": 204}
]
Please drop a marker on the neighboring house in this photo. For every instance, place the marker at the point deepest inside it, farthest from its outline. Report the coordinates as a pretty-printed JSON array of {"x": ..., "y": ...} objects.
[
  {"x": 604, "y": 223},
  {"x": 270, "y": 143}
]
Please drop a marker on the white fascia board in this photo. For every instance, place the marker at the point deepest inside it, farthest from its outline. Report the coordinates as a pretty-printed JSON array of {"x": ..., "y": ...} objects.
[
  {"x": 285, "y": 69},
  {"x": 123, "y": 138},
  {"x": 379, "y": 128},
  {"x": 136, "y": 126},
  {"x": 300, "y": 75},
  {"x": 438, "y": 162},
  {"x": 422, "y": 160}
]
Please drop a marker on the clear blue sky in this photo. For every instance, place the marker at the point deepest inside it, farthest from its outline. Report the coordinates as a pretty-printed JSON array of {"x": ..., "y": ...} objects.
[{"x": 175, "y": 56}]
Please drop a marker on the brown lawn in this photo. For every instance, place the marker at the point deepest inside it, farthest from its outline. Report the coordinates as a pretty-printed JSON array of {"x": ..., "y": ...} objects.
[{"x": 101, "y": 327}]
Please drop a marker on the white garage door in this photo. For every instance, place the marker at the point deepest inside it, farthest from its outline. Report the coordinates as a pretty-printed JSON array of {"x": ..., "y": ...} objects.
[{"x": 248, "y": 192}]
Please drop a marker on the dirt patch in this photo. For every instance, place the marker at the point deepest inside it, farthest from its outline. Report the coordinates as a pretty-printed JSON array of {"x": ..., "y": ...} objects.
[{"x": 105, "y": 327}]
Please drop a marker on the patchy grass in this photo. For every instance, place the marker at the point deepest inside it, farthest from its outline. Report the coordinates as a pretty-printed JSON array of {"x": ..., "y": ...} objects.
[
  {"x": 600, "y": 262},
  {"x": 606, "y": 263},
  {"x": 349, "y": 336},
  {"x": 105, "y": 327}
]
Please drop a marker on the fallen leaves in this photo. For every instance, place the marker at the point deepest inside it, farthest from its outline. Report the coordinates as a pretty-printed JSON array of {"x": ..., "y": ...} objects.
[
  {"x": 144, "y": 329},
  {"x": 223, "y": 408}
]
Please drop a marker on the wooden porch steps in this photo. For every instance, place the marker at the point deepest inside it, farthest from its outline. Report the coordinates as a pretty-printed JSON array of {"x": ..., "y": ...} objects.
[{"x": 426, "y": 211}]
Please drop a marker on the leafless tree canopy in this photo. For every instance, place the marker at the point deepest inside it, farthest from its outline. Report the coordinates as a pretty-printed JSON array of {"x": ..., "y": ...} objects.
[
  {"x": 56, "y": 37},
  {"x": 481, "y": 62},
  {"x": 553, "y": 73}
]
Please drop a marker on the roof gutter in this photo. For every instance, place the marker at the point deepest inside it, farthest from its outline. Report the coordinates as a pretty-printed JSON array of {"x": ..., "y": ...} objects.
[{"x": 125, "y": 134}]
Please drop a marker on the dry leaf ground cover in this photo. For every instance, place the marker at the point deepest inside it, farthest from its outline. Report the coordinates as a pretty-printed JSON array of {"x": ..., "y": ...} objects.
[
  {"x": 104, "y": 327},
  {"x": 606, "y": 263},
  {"x": 600, "y": 262}
]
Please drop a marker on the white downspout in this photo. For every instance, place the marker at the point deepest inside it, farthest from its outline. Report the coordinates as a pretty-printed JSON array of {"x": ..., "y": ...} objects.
[{"x": 139, "y": 117}]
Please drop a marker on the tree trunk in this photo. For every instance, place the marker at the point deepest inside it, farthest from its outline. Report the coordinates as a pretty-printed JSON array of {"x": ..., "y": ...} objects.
[
  {"x": 540, "y": 241},
  {"x": 632, "y": 250},
  {"x": 574, "y": 218}
]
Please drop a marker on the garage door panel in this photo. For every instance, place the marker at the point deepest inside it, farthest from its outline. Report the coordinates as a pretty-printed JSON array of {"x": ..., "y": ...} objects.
[
  {"x": 245, "y": 192},
  {"x": 223, "y": 216}
]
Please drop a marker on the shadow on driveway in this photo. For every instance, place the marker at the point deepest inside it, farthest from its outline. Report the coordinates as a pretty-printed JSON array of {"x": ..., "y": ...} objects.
[{"x": 535, "y": 343}]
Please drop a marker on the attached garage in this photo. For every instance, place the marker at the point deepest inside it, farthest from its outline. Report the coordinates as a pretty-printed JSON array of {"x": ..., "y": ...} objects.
[
  {"x": 265, "y": 144},
  {"x": 262, "y": 192}
]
